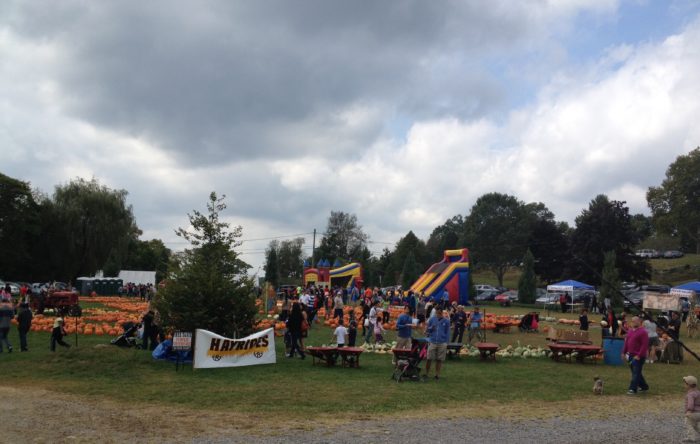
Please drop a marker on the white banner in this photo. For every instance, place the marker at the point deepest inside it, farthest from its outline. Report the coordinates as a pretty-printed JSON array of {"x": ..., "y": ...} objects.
[
  {"x": 664, "y": 302},
  {"x": 213, "y": 351}
]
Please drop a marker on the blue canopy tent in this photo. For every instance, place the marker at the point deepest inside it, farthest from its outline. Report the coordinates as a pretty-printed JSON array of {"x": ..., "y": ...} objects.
[
  {"x": 569, "y": 286},
  {"x": 691, "y": 290}
]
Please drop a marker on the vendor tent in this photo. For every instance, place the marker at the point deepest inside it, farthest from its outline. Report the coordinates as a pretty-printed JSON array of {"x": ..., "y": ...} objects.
[
  {"x": 569, "y": 286},
  {"x": 690, "y": 289},
  {"x": 138, "y": 277}
]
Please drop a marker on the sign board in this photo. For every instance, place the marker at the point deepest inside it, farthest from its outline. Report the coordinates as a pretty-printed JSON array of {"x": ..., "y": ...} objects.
[
  {"x": 213, "y": 351},
  {"x": 662, "y": 301},
  {"x": 182, "y": 341}
]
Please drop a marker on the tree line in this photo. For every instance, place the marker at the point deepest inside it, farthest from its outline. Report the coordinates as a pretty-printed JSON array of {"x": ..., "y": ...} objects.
[
  {"x": 81, "y": 228},
  {"x": 500, "y": 230}
]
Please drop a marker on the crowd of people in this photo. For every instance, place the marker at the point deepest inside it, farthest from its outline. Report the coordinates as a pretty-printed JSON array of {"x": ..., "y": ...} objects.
[{"x": 143, "y": 291}]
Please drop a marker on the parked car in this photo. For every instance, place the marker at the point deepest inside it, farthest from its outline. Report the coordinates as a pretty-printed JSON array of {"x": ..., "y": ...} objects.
[
  {"x": 487, "y": 295},
  {"x": 505, "y": 299},
  {"x": 548, "y": 299},
  {"x": 673, "y": 254},
  {"x": 648, "y": 253},
  {"x": 637, "y": 297},
  {"x": 484, "y": 287},
  {"x": 656, "y": 288}
]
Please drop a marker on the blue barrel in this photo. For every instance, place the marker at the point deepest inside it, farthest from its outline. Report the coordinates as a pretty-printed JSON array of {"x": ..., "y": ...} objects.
[{"x": 612, "y": 349}]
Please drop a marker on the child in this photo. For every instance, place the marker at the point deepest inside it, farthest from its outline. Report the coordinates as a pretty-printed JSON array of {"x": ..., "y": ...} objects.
[
  {"x": 352, "y": 333},
  {"x": 340, "y": 333},
  {"x": 378, "y": 330},
  {"x": 57, "y": 334},
  {"x": 692, "y": 409},
  {"x": 583, "y": 320}
]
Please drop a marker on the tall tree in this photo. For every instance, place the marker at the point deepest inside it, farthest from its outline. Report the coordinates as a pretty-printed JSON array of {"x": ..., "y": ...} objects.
[
  {"x": 610, "y": 287},
  {"x": 272, "y": 274},
  {"x": 549, "y": 244},
  {"x": 675, "y": 204},
  {"x": 290, "y": 257},
  {"x": 496, "y": 231},
  {"x": 444, "y": 237},
  {"x": 409, "y": 244},
  {"x": 92, "y": 220},
  {"x": 208, "y": 287},
  {"x": 343, "y": 239},
  {"x": 20, "y": 230},
  {"x": 527, "y": 284},
  {"x": 409, "y": 273},
  {"x": 606, "y": 226}
]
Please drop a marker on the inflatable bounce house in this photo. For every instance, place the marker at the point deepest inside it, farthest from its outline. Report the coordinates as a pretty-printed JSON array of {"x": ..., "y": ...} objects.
[
  {"x": 323, "y": 275},
  {"x": 451, "y": 274}
]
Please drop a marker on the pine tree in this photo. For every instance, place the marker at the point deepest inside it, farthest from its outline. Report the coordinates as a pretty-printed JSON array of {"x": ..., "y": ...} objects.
[
  {"x": 610, "y": 287},
  {"x": 410, "y": 272},
  {"x": 527, "y": 285},
  {"x": 208, "y": 287}
]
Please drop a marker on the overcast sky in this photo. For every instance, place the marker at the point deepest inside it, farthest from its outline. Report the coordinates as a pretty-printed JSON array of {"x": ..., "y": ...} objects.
[{"x": 402, "y": 112}]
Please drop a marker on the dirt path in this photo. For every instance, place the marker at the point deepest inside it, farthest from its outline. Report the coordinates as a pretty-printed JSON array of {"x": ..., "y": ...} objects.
[{"x": 75, "y": 419}]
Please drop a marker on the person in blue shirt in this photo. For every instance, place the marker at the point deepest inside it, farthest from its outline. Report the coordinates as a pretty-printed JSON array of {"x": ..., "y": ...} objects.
[
  {"x": 438, "y": 331},
  {"x": 404, "y": 325},
  {"x": 475, "y": 325},
  {"x": 445, "y": 299}
]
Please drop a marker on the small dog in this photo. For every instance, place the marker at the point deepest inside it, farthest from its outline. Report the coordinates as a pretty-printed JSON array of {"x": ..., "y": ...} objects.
[{"x": 597, "y": 386}]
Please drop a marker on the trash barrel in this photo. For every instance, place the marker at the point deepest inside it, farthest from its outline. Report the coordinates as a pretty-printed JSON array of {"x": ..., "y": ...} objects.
[{"x": 612, "y": 349}]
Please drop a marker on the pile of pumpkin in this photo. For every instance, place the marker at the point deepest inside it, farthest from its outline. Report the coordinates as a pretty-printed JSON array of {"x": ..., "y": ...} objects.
[{"x": 569, "y": 321}]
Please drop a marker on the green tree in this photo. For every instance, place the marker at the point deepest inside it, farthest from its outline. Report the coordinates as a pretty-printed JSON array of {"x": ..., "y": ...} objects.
[
  {"x": 675, "y": 204},
  {"x": 444, "y": 237},
  {"x": 496, "y": 231},
  {"x": 271, "y": 270},
  {"x": 527, "y": 284},
  {"x": 20, "y": 230},
  {"x": 92, "y": 222},
  {"x": 610, "y": 287},
  {"x": 290, "y": 259},
  {"x": 410, "y": 272},
  {"x": 207, "y": 287},
  {"x": 606, "y": 226},
  {"x": 409, "y": 244},
  {"x": 343, "y": 239},
  {"x": 549, "y": 244}
]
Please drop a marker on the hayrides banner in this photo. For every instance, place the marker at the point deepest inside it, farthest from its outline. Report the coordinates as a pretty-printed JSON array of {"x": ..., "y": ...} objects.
[{"x": 214, "y": 351}]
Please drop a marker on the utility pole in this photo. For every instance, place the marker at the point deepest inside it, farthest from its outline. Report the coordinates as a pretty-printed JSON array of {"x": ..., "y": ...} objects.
[{"x": 313, "y": 250}]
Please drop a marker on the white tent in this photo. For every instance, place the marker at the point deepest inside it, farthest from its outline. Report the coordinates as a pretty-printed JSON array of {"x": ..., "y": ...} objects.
[{"x": 138, "y": 277}]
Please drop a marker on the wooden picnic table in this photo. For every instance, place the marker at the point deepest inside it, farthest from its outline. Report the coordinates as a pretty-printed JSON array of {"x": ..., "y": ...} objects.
[
  {"x": 502, "y": 327},
  {"x": 350, "y": 356},
  {"x": 453, "y": 349},
  {"x": 582, "y": 351},
  {"x": 324, "y": 354},
  {"x": 487, "y": 350}
]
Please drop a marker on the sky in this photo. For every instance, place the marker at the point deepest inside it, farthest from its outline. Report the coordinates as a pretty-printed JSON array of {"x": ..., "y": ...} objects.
[{"x": 401, "y": 112}]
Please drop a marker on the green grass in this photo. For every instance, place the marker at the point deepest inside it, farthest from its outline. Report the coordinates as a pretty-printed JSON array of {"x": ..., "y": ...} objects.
[{"x": 296, "y": 389}]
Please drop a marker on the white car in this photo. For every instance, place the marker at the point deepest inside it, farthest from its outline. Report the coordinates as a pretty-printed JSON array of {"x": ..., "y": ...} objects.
[{"x": 484, "y": 287}]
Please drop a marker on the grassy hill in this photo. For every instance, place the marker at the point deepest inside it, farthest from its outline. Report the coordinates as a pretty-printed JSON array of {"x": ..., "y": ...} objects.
[{"x": 664, "y": 271}]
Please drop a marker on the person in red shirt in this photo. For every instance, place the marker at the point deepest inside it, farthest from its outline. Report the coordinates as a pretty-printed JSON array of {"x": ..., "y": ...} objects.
[{"x": 635, "y": 350}]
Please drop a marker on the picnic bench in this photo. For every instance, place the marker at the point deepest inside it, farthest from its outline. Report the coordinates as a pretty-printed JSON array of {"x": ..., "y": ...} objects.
[
  {"x": 487, "y": 350},
  {"x": 582, "y": 351},
  {"x": 453, "y": 349},
  {"x": 328, "y": 355},
  {"x": 350, "y": 356}
]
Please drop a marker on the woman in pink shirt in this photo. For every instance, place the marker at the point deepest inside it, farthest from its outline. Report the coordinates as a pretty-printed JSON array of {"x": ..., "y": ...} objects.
[{"x": 635, "y": 350}]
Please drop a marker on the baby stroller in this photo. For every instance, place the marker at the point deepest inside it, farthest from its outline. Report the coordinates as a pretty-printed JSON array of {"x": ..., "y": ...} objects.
[
  {"x": 128, "y": 338},
  {"x": 408, "y": 361},
  {"x": 530, "y": 322}
]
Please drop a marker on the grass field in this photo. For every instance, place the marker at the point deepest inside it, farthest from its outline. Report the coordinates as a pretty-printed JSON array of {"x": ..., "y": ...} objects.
[{"x": 296, "y": 389}]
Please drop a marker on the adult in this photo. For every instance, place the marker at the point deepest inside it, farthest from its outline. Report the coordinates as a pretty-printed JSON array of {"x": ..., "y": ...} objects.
[
  {"x": 404, "y": 326},
  {"x": 150, "y": 331},
  {"x": 445, "y": 300},
  {"x": 650, "y": 326},
  {"x": 674, "y": 326},
  {"x": 412, "y": 303},
  {"x": 685, "y": 308},
  {"x": 612, "y": 321},
  {"x": 475, "y": 325},
  {"x": 692, "y": 409},
  {"x": 420, "y": 310},
  {"x": 459, "y": 322},
  {"x": 294, "y": 322},
  {"x": 607, "y": 303},
  {"x": 57, "y": 334},
  {"x": 562, "y": 302},
  {"x": 338, "y": 305},
  {"x": 635, "y": 351},
  {"x": 7, "y": 313},
  {"x": 438, "y": 332},
  {"x": 24, "y": 324},
  {"x": 371, "y": 321}
]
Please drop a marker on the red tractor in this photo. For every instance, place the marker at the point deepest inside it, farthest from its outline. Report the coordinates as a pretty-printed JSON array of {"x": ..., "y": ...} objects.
[{"x": 65, "y": 303}]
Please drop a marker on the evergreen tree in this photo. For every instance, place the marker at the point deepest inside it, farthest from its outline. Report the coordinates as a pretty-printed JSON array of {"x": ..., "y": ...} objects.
[
  {"x": 610, "y": 287},
  {"x": 527, "y": 285},
  {"x": 271, "y": 273},
  {"x": 410, "y": 272},
  {"x": 208, "y": 287}
]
